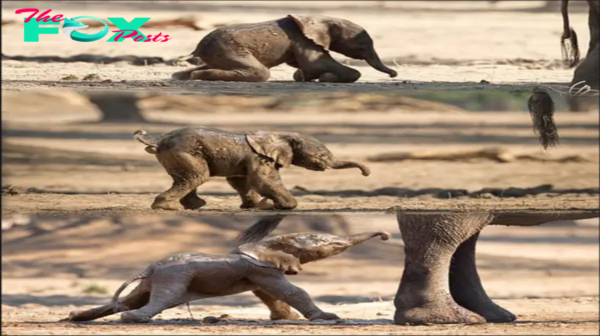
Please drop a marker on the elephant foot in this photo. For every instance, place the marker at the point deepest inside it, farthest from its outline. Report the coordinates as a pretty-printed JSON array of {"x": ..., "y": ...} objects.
[
  {"x": 429, "y": 293},
  {"x": 192, "y": 202},
  {"x": 493, "y": 313},
  {"x": 323, "y": 316},
  {"x": 437, "y": 313},
  {"x": 267, "y": 204},
  {"x": 250, "y": 203},
  {"x": 289, "y": 316},
  {"x": 466, "y": 287},
  {"x": 132, "y": 317},
  {"x": 167, "y": 205},
  {"x": 350, "y": 76}
]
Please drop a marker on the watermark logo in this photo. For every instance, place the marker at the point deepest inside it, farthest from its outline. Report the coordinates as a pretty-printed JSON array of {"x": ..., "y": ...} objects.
[{"x": 33, "y": 28}]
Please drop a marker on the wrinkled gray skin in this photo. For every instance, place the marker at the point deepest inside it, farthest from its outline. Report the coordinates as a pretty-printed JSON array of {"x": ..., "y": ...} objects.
[
  {"x": 246, "y": 52},
  {"x": 249, "y": 161},
  {"x": 258, "y": 267},
  {"x": 571, "y": 53},
  {"x": 440, "y": 283}
]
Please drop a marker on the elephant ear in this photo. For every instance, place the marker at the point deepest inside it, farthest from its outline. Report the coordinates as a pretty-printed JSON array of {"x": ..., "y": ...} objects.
[
  {"x": 271, "y": 145},
  {"x": 315, "y": 28}
]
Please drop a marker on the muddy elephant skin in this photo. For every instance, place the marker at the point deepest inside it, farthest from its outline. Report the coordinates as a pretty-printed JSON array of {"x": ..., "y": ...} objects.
[
  {"x": 250, "y": 162},
  {"x": 246, "y": 52},
  {"x": 259, "y": 267}
]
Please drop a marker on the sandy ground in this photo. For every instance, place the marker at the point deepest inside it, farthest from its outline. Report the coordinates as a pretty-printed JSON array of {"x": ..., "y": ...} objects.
[{"x": 89, "y": 185}]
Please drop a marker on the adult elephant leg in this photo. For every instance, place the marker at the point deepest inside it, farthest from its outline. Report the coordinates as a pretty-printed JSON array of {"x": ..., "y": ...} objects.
[
  {"x": 234, "y": 70},
  {"x": 430, "y": 241},
  {"x": 466, "y": 287},
  {"x": 594, "y": 25}
]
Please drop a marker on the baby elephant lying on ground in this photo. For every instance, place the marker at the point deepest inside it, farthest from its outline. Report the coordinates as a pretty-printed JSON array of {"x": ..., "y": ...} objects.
[
  {"x": 257, "y": 267},
  {"x": 246, "y": 52},
  {"x": 250, "y": 161}
]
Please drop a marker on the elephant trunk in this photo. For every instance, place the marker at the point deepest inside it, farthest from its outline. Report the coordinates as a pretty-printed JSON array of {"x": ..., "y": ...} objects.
[
  {"x": 349, "y": 164},
  {"x": 362, "y": 237},
  {"x": 373, "y": 59}
]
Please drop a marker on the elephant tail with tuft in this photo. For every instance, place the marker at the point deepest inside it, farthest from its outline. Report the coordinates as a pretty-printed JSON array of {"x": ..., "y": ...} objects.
[{"x": 541, "y": 109}]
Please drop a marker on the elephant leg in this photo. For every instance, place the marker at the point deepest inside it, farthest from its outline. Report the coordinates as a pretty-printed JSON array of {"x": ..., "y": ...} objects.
[
  {"x": 279, "y": 309},
  {"x": 234, "y": 70},
  {"x": 430, "y": 241},
  {"x": 264, "y": 178},
  {"x": 250, "y": 198},
  {"x": 593, "y": 23},
  {"x": 191, "y": 201},
  {"x": 134, "y": 300},
  {"x": 163, "y": 296},
  {"x": 279, "y": 288},
  {"x": 325, "y": 69},
  {"x": 187, "y": 74},
  {"x": 466, "y": 287},
  {"x": 188, "y": 173}
]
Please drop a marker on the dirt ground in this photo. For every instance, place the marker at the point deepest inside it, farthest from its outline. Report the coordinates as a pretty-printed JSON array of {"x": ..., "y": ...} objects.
[{"x": 82, "y": 189}]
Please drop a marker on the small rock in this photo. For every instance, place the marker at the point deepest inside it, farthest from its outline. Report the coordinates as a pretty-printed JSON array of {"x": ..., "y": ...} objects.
[
  {"x": 211, "y": 319},
  {"x": 70, "y": 77},
  {"x": 91, "y": 77},
  {"x": 14, "y": 190}
]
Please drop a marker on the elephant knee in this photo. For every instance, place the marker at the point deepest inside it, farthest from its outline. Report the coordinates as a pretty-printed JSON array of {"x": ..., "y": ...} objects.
[{"x": 352, "y": 76}]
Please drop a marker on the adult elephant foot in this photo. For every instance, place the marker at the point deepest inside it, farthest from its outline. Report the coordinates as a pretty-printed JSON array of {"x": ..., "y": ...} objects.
[
  {"x": 430, "y": 243},
  {"x": 466, "y": 287}
]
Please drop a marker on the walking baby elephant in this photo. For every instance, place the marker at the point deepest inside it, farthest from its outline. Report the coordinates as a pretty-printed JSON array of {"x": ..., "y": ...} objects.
[
  {"x": 250, "y": 162},
  {"x": 257, "y": 267},
  {"x": 246, "y": 52}
]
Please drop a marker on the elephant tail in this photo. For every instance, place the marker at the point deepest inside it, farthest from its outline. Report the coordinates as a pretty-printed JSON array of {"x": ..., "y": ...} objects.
[
  {"x": 142, "y": 275},
  {"x": 541, "y": 109},
  {"x": 143, "y": 137},
  {"x": 570, "y": 53}
]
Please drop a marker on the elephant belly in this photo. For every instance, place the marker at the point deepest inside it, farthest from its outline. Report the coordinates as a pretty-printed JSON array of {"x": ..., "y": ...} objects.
[
  {"x": 201, "y": 289},
  {"x": 220, "y": 282}
]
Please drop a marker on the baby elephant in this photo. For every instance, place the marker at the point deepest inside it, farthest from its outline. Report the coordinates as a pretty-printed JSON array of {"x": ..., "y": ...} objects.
[
  {"x": 246, "y": 52},
  {"x": 250, "y": 162},
  {"x": 258, "y": 267}
]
